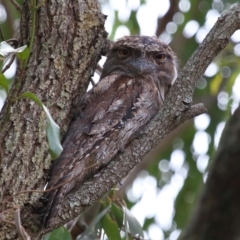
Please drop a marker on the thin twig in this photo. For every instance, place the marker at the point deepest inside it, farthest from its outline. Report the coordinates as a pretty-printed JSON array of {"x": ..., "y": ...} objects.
[
  {"x": 3, "y": 220},
  {"x": 16, "y": 5},
  {"x": 48, "y": 190},
  {"x": 33, "y": 29},
  {"x": 92, "y": 82},
  {"x": 7, "y": 66},
  {"x": 14, "y": 42},
  {"x": 73, "y": 223},
  {"x": 54, "y": 188},
  {"x": 20, "y": 229},
  {"x": 40, "y": 4},
  {"x": 1, "y": 34},
  {"x": 98, "y": 70},
  {"x": 18, "y": 224},
  {"x": 8, "y": 222}
]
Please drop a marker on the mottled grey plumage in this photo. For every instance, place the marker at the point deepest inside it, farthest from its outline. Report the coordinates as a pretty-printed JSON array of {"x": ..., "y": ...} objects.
[{"x": 136, "y": 77}]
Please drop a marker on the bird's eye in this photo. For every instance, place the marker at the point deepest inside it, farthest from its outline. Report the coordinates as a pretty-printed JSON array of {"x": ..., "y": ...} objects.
[
  {"x": 160, "y": 56},
  {"x": 123, "y": 52}
]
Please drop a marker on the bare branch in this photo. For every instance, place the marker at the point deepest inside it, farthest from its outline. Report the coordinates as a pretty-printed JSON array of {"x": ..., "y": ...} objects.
[
  {"x": 163, "y": 21},
  {"x": 16, "y": 5},
  {"x": 20, "y": 229}
]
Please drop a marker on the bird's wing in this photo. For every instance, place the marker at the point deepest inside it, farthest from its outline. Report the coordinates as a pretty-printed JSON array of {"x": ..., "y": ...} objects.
[{"x": 114, "y": 111}]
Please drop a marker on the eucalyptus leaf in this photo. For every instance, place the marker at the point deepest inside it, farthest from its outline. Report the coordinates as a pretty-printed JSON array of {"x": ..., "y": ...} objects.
[
  {"x": 4, "y": 83},
  {"x": 110, "y": 228},
  {"x": 117, "y": 214},
  {"x": 24, "y": 54},
  {"x": 94, "y": 222},
  {"x": 58, "y": 234},
  {"x": 134, "y": 226},
  {"x": 53, "y": 130}
]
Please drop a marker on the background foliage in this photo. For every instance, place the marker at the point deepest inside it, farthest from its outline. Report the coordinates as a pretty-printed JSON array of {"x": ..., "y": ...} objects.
[{"x": 162, "y": 190}]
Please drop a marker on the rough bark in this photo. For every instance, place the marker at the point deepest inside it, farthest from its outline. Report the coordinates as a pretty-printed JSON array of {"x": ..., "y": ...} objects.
[
  {"x": 63, "y": 59},
  {"x": 68, "y": 42}
]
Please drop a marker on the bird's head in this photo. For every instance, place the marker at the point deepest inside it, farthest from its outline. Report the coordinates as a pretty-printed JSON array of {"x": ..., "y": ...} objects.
[{"x": 138, "y": 56}]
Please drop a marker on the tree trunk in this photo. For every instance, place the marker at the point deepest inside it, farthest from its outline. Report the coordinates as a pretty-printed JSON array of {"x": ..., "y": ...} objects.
[
  {"x": 217, "y": 213},
  {"x": 68, "y": 41}
]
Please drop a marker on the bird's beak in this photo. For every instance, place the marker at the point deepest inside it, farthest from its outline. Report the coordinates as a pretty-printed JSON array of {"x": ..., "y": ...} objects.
[{"x": 141, "y": 66}]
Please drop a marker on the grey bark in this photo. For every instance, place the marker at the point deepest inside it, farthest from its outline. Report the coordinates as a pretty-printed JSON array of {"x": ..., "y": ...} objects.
[{"x": 68, "y": 41}]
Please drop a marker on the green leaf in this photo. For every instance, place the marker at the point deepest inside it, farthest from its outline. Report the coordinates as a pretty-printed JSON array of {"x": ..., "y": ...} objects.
[
  {"x": 24, "y": 54},
  {"x": 94, "y": 222},
  {"x": 110, "y": 228},
  {"x": 4, "y": 83},
  {"x": 58, "y": 234},
  {"x": 53, "y": 130},
  {"x": 134, "y": 226},
  {"x": 117, "y": 214}
]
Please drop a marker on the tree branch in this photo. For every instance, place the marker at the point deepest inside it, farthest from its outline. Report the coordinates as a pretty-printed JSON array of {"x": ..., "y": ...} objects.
[
  {"x": 173, "y": 113},
  {"x": 162, "y": 22},
  {"x": 16, "y": 5}
]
